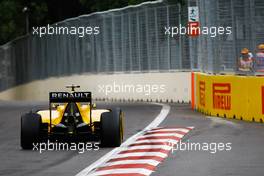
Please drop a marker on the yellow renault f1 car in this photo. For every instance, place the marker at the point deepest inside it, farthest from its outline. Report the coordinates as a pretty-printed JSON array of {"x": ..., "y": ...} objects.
[{"x": 71, "y": 115}]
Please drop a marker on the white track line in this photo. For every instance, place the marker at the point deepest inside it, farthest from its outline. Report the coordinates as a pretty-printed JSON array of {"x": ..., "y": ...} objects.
[{"x": 162, "y": 115}]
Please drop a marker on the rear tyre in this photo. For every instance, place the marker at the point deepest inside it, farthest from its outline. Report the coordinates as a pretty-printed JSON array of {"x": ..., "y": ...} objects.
[
  {"x": 30, "y": 130},
  {"x": 112, "y": 128}
]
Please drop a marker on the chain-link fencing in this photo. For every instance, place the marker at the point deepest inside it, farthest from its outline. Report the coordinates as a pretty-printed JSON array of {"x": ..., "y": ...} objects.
[
  {"x": 220, "y": 54},
  {"x": 133, "y": 39}
]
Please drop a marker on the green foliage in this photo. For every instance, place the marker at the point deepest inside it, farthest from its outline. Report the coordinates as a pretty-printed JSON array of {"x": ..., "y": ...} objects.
[{"x": 10, "y": 20}]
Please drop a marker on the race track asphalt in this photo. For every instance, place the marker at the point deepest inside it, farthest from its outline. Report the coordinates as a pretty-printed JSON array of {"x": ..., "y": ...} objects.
[{"x": 245, "y": 158}]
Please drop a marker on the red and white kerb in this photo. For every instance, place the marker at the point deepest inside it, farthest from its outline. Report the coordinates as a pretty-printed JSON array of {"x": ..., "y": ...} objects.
[{"x": 143, "y": 156}]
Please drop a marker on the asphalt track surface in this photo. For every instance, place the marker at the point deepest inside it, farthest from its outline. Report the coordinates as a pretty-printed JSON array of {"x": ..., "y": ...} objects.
[{"x": 245, "y": 158}]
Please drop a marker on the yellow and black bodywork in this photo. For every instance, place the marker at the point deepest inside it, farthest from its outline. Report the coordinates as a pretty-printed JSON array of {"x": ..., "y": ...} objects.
[{"x": 72, "y": 116}]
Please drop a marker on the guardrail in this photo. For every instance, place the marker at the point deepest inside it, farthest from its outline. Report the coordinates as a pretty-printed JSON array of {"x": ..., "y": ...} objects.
[{"x": 229, "y": 96}]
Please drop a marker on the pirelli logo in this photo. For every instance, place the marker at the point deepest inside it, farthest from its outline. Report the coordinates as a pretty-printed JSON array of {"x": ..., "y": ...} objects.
[
  {"x": 202, "y": 93},
  {"x": 222, "y": 96}
]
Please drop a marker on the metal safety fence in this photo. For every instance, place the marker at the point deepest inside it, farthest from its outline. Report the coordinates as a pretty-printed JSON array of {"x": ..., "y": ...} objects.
[
  {"x": 246, "y": 18},
  {"x": 130, "y": 39},
  {"x": 133, "y": 39}
]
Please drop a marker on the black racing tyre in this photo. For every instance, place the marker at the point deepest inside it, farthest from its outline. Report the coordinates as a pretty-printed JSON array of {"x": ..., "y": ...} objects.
[
  {"x": 30, "y": 130},
  {"x": 112, "y": 128}
]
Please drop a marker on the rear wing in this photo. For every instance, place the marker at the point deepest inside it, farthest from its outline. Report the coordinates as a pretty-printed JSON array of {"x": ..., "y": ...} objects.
[{"x": 64, "y": 97}]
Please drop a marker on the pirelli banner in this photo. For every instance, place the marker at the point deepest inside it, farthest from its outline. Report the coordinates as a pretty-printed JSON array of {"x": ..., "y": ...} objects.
[{"x": 230, "y": 96}]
